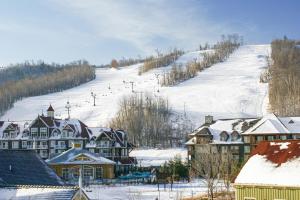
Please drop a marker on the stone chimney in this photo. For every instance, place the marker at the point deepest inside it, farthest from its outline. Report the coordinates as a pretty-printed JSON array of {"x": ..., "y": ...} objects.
[{"x": 209, "y": 119}]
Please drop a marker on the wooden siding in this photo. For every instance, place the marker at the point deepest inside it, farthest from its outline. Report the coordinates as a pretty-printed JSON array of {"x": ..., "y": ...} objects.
[
  {"x": 108, "y": 170},
  {"x": 267, "y": 192}
]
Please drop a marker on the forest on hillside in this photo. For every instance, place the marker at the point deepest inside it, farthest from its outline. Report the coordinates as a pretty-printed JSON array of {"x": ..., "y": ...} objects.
[
  {"x": 33, "y": 79},
  {"x": 220, "y": 52},
  {"x": 284, "y": 86},
  {"x": 149, "y": 121}
]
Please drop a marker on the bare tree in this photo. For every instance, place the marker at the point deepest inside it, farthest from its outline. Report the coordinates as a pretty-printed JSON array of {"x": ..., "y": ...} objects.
[{"x": 208, "y": 162}]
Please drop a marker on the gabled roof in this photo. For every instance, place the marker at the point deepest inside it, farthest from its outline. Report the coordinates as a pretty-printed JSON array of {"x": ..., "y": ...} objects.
[
  {"x": 268, "y": 124},
  {"x": 273, "y": 163},
  {"x": 68, "y": 157},
  {"x": 27, "y": 168}
]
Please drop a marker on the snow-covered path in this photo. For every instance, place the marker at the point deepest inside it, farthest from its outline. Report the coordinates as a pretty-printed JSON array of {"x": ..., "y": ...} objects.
[{"x": 228, "y": 89}]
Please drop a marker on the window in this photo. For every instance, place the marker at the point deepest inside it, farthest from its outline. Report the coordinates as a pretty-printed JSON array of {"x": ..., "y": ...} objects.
[
  {"x": 44, "y": 144},
  {"x": 283, "y": 137},
  {"x": 224, "y": 149},
  {"x": 249, "y": 198},
  {"x": 52, "y": 151},
  {"x": 99, "y": 172},
  {"x": 259, "y": 138},
  {"x": 4, "y": 145},
  {"x": 15, "y": 144},
  {"x": 24, "y": 144},
  {"x": 5, "y": 135},
  {"x": 12, "y": 134},
  {"x": 247, "y": 139},
  {"x": 270, "y": 137},
  {"x": 223, "y": 136},
  {"x": 65, "y": 173},
  {"x": 87, "y": 172},
  {"x": 247, "y": 149},
  {"x": 52, "y": 143},
  {"x": 64, "y": 134},
  {"x": 34, "y": 132},
  {"x": 234, "y": 136},
  {"x": 70, "y": 143},
  {"x": 236, "y": 157},
  {"x": 61, "y": 143},
  {"x": 43, "y": 132}
]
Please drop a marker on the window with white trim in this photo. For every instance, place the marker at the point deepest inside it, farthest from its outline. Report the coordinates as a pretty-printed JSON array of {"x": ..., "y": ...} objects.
[
  {"x": 99, "y": 172},
  {"x": 88, "y": 172},
  {"x": 15, "y": 144},
  {"x": 34, "y": 132},
  {"x": 43, "y": 132},
  {"x": 24, "y": 144},
  {"x": 247, "y": 149}
]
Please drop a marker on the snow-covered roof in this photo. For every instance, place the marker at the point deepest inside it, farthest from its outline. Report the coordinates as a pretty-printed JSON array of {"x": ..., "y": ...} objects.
[
  {"x": 37, "y": 193},
  {"x": 227, "y": 126},
  {"x": 157, "y": 157},
  {"x": 273, "y": 163},
  {"x": 268, "y": 124},
  {"x": 68, "y": 157}
]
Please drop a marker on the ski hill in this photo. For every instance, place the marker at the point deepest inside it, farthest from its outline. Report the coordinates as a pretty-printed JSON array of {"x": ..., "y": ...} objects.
[{"x": 225, "y": 90}]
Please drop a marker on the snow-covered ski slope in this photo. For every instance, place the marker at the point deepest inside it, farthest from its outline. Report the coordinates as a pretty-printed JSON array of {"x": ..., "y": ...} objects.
[{"x": 225, "y": 90}]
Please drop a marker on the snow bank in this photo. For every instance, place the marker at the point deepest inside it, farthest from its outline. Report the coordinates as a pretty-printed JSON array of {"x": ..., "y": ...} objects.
[{"x": 157, "y": 157}]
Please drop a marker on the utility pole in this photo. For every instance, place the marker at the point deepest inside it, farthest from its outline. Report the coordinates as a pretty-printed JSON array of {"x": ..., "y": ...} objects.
[
  {"x": 68, "y": 107},
  {"x": 94, "y": 97},
  {"x": 131, "y": 82},
  {"x": 157, "y": 77}
]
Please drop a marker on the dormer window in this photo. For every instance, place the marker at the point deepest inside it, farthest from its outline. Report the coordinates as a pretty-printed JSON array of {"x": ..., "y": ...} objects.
[
  {"x": 291, "y": 121},
  {"x": 224, "y": 136},
  {"x": 234, "y": 136}
]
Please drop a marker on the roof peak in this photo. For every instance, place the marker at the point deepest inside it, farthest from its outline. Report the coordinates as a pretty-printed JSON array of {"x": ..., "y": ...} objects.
[{"x": 50, "y": 108}]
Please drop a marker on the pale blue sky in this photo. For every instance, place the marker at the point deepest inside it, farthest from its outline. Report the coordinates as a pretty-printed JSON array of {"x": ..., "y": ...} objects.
[{"x": 99, "y": 30}]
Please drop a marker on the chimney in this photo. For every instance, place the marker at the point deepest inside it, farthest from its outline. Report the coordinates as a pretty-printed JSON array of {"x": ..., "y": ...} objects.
[{"x": 209, "y": 119}]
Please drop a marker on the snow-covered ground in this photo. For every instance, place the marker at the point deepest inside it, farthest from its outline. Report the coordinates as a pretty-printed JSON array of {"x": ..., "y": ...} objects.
[
  {"x": 157, "y": 157},
  {"x": 147, "y": 192},
  {"x": 228, "y": 89}
]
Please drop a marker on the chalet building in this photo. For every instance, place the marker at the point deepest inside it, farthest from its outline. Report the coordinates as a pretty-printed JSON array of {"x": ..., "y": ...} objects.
[
  {"x": 50, "y": 136},
  {"x": 240, "y": 136},
  {"x": 46, "y": 134},
  {"x": 114, "y": 145},
  {"x": 222, "y": 136},
  {"x": 9, "y": 135},
  {"x": 94, "y": 166},
  {"x": 24, "y": 175},
  {"x": 270, "y": 128},
  {"x": 272, "y": 172}
]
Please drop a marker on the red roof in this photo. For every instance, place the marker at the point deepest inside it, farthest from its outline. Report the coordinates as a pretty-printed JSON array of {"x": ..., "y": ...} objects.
[
  {"x": 278, "y": 151},
  {"x": 50, "y": 108}
]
